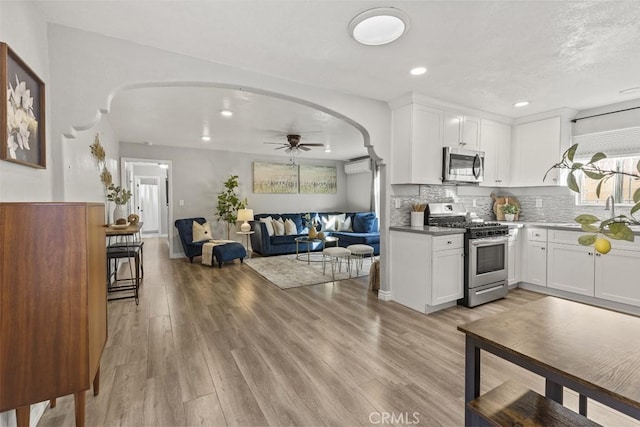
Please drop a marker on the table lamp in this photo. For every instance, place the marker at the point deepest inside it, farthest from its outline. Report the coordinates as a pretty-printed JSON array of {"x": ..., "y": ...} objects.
[{"x": 245, "y": 215}]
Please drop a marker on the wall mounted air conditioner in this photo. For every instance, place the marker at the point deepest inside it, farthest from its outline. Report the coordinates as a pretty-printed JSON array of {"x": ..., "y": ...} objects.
[{"x": 357, "y": 166}]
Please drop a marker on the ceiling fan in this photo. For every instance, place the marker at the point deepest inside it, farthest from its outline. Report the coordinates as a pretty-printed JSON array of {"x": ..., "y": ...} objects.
[{"x": 293, "y": 144}]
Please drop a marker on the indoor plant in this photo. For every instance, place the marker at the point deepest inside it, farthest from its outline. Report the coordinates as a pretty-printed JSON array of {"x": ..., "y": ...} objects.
[
  {"x": 120, "y": 196},
  {"x": 509, "y": 210},
  {"x": 229, "y": 203}
]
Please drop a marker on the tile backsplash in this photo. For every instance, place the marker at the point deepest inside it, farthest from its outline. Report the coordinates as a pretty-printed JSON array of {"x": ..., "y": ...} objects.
[{"x": 557, "y": 203}]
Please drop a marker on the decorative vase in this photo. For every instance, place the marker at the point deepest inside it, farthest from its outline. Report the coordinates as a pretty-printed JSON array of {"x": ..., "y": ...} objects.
[
  {"x": 417, "y": 219},
  {"x": 120, "y": 211},
  {"x": 509, "y": 217},
  {"x": 313, "y": 232}
]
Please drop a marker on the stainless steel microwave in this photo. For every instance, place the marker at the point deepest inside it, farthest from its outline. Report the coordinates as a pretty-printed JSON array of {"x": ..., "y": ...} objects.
[{"x": 464, "y": 166}]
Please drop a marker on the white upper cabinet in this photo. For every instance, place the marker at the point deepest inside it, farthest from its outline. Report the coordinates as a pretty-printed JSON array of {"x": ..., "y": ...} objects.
[
  {"x": 460, "y": 131},
  {"x": 417, "y": 145},
  {"x": 538, "y": 145},
  {"x": 495, "y": 141}
]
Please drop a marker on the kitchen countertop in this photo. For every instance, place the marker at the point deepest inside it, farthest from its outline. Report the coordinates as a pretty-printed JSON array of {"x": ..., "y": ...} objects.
[
  {"x": 430, "y": 230},
  {"x": 569, "y": 226}
]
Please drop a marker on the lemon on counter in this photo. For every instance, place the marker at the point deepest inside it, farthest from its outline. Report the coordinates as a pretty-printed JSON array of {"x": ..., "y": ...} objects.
[{"x": 602, "y": 245}]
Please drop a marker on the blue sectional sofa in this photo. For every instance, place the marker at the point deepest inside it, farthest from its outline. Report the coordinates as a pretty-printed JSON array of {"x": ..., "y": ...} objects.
[{"x": 364, "y": 225}]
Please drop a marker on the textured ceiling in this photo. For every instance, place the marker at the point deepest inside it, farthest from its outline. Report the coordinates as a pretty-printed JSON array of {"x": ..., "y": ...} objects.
[{"x": 481, "y": 54}]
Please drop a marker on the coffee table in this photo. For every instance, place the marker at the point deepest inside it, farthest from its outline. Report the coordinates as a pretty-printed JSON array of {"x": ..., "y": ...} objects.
[{"x": 309, "y": 241}]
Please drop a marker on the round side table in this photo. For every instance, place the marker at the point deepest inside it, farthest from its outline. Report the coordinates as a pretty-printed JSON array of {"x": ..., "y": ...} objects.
[{"x": 248, "y": 245}]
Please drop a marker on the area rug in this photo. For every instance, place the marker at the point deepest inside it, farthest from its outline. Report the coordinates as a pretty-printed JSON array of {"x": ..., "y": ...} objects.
[{"x": 285, "y": 271}]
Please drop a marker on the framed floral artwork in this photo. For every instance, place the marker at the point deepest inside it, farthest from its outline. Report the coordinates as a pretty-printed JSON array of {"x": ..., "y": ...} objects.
[{"x": 22, "y": 114}]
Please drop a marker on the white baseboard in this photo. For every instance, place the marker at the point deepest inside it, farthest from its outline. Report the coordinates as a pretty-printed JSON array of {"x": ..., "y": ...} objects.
[{"x": 384, "y": 295}]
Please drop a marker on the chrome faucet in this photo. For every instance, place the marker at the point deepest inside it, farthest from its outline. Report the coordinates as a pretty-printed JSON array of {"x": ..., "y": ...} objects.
[{"x": 613, "y": 206}]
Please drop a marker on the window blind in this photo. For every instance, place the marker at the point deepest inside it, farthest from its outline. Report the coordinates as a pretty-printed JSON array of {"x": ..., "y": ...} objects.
[{"x": 614, "y": 143}]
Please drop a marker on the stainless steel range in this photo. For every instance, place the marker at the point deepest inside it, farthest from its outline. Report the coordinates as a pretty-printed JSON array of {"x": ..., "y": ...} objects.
[{"x": 485, "y": 252}]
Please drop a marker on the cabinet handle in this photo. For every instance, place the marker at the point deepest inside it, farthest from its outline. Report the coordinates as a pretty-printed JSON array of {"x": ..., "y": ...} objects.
[
  {"x": 498, "y": 180},
  {"x": 543, "y": 248},
  {"x": 590, "y": 253},
  {"x": 449, "y": 242},
  {"x": 537, "y": 235},
  {"x": 597, "y": 254}
]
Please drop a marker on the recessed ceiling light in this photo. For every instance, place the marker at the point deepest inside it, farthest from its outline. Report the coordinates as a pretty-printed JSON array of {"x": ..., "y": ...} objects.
[
  {"x": 206, "y": 138},
  {"x": 327, "y": 150},
  {"x": 418, "y": 71},
  {"x": 226, "y": 113},
  {"x": 630, "y": 90},
  {"x": 521, "y": 104},
  {"x": 375, "y": 27}
]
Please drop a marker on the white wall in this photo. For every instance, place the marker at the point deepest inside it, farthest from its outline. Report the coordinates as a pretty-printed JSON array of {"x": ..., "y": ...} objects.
[
  {"x": 198, "y": 176},
  {"x": 81, "y": 174},
  {"x": 24, "y": 30},
  {"x": 359, "y": 191}
]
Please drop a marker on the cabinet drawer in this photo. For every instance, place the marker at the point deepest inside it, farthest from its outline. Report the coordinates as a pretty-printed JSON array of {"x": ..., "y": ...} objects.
[
  {"x": 564, "y": 236},
  {"x": 453, "y": 241},
  {"x": 537, "y": 234}
]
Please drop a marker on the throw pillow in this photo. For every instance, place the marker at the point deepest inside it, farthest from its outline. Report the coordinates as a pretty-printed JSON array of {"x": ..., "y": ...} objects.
[
  {"x": 278, "y": 227},
  {"x": 364, "y": 222},
  {"x": 201, "y": 232},
  {"x": 290, "y": 228},
  {"x": 345, "y": 225},
  {"x": 330, "y": 222},
  {"x": 268, "y": 222}
]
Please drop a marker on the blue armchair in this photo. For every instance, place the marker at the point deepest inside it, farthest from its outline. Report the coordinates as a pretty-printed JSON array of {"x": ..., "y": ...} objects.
[{"x": 185, "y": 230}]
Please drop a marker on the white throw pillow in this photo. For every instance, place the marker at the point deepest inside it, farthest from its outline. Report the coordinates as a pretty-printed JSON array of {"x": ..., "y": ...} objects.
[
  {"x": 201, "y": 232},
  {"x": 268, "y": 221},
  {"x": 330, "y": 223},
  {"x": 278, "y": 227},
  {"x": 345, "y": 225},
  {"x": 290, "y": 228}
]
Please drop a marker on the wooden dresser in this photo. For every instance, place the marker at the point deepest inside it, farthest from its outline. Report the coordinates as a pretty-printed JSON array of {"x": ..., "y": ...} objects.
[{"x": 53, "y": 303}]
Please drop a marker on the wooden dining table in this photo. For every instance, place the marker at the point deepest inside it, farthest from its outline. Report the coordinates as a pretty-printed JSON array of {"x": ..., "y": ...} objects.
[{"x": 591, "y": 350}]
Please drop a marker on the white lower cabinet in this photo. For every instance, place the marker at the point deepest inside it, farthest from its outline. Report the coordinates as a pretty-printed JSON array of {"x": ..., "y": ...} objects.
[
  {"x": 534, "y": 257},
  {"x": 513, "y": 262},
  {"x": 426, "y": 271},
  {"x": 580, "y": 270},
  {"x": 617, "y": 276},
  {"x": 447, "y": 279},
  {"x": 570, "y": 268}
]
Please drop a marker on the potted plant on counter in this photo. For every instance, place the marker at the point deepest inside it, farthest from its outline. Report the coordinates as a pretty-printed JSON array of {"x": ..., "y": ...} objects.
[{"x": 510, "y": 211}]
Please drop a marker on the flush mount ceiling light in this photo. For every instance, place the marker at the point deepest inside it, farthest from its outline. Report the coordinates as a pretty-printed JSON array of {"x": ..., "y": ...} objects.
[
  {"x": 630, "y": 90},
  {"x": 226, "y": 113},
  {"x": 418, "y": 71},
  {"x": 375, "y": 27},
  {"x": 521, "y": 104}
]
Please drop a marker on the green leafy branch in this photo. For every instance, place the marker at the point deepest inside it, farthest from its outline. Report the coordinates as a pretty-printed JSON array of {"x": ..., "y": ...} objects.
[{"x": 616, "y": 228}]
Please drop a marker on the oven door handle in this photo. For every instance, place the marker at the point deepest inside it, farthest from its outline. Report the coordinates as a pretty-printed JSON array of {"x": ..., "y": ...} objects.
[{"x": 489, "y": 241}]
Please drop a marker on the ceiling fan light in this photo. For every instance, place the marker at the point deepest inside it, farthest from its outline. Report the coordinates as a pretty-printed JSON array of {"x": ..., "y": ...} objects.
[{"x": 379, "y": 26}]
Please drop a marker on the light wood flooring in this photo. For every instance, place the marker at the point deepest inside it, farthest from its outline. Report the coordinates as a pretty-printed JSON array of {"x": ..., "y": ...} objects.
[{"x": 216, "y": 347}]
